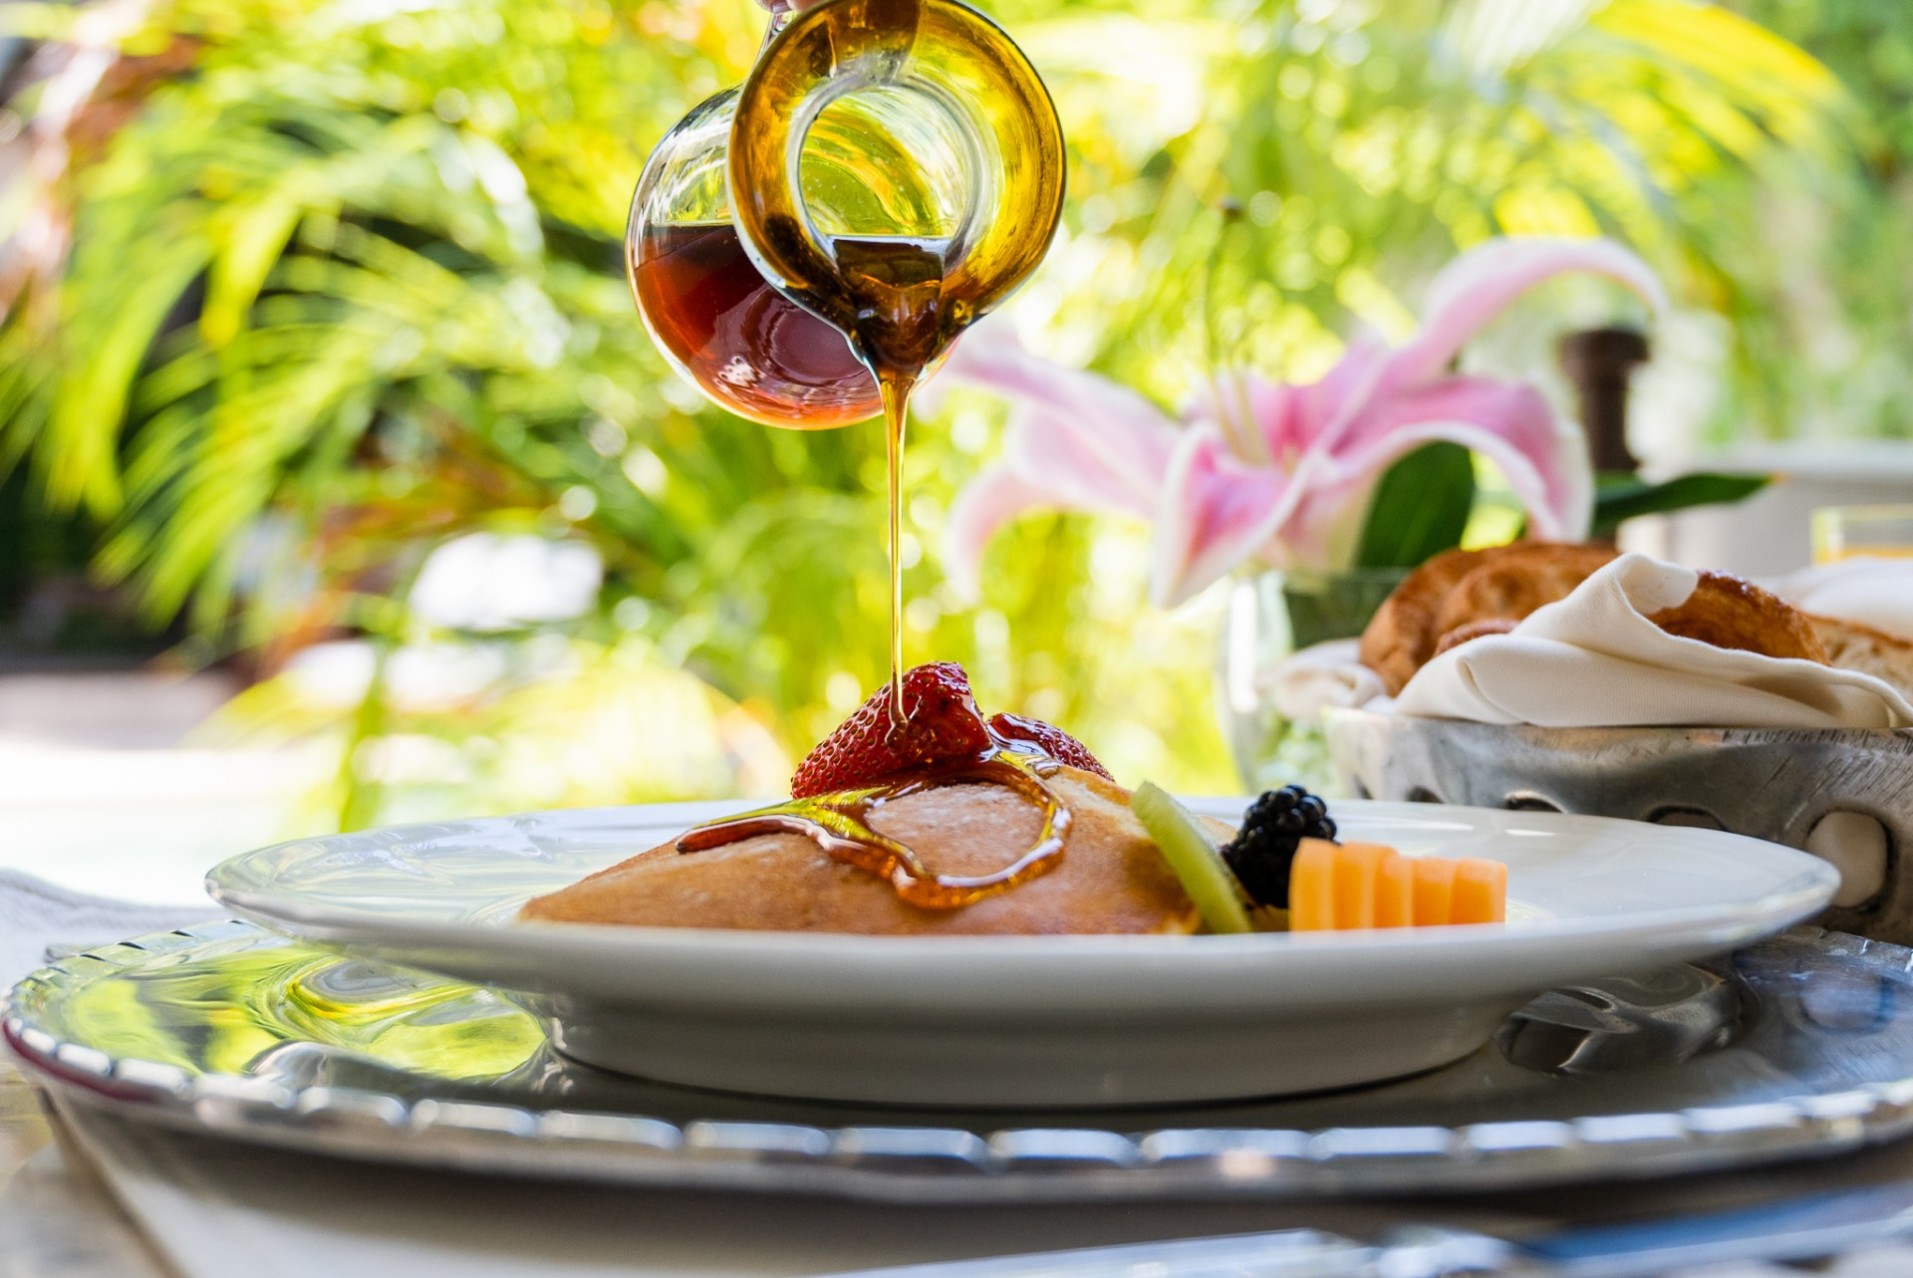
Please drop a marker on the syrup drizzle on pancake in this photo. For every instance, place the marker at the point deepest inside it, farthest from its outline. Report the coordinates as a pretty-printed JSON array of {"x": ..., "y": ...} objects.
[{"x": 839, "y": 823}]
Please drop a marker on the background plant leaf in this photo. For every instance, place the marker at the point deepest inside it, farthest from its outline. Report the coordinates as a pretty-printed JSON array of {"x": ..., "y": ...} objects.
[
  {"x": 1622, "y": 497},
  {"x": 1420, "y": 508}
]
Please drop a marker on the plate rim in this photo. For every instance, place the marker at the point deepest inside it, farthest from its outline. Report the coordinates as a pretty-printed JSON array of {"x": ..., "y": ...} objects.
[{"x": 1788, "y": 902}]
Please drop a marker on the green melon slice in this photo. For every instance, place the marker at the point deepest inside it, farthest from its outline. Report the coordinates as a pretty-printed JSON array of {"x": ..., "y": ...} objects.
[{"x": 1193, "y": 855}]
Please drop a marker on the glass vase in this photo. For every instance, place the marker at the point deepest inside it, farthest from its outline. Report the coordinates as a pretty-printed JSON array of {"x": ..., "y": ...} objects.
[{"x": 1271, "y": 617}]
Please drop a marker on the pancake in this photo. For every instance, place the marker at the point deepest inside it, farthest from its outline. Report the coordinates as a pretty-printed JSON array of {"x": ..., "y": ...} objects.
[{"x": 1111, "y": 879}]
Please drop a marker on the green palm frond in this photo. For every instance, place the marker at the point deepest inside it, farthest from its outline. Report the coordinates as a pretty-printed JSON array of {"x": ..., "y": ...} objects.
[{"x": 1364, "y": 144}]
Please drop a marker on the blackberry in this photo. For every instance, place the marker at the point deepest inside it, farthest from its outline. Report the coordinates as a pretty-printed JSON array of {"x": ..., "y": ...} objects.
[{"x": 1264, "y": 848}]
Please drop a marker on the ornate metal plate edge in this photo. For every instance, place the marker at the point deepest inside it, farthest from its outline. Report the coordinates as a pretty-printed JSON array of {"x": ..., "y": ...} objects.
[{"x": 923, "y": 1163}]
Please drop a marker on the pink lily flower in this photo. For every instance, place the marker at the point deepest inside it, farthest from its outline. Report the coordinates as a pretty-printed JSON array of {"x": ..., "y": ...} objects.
[{"x": 1273, "y": 479}]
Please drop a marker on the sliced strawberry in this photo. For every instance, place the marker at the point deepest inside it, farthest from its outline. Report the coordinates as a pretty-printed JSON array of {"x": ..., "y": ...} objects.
[
  {"x": 941, "y": 723},
  {"x": 1048, "y": 738}
]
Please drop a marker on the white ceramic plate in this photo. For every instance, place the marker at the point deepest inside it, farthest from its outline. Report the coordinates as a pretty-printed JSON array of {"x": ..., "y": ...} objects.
[{"x": 1027, "y": 1021}]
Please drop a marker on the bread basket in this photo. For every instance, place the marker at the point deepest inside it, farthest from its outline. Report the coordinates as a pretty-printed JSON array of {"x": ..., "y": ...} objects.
[{"x": 1844, "y": 794}]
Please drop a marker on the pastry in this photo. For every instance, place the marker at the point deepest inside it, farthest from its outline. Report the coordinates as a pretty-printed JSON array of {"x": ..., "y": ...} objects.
[
  {"x": 1731, "y": 612},
  {"x": 1457, "y": 589},
  {"x": 1474, "y": 630},
  {"x": 1511, "y": 582},
  {"x": 1402, "y": 636},
  {"x": 1852, "y": 646},
  {"x": 1466, "y": 595}
]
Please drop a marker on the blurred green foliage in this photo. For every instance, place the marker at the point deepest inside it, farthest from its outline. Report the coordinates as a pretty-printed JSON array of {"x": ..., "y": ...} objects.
[
  {"x": 1836, "y": 270},
  {"x": 345, "y": 281}
]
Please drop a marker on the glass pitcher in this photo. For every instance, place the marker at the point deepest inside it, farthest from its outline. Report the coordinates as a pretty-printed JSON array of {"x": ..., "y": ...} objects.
[{"x": 906, "y": 137}]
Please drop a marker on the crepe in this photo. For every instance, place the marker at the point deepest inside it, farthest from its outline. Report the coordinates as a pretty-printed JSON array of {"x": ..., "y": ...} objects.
[{"x": 1111, "y": 878}]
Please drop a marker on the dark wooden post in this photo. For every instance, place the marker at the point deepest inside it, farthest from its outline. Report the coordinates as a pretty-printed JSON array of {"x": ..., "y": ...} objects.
[{"x": 1600, "y": 363}]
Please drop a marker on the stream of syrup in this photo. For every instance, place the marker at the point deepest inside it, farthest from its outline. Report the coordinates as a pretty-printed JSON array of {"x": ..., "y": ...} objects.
[
  {"x": 890, "y": 302},
  {"x": 900, "y": 300},
  {"x": 888, "y": 297}
]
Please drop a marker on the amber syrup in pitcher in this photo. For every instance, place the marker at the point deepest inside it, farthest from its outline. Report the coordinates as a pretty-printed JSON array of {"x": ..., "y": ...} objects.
[{"x": 744, "y": 344}]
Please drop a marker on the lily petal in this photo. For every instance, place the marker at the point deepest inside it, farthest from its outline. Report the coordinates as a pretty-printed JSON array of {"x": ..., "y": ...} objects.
[
  {"x": 1294, "y": 418},
  {"x": 1075, "y": 478},
  {"x": 1217, "y": 512},
  {"x": 1543, "y": 458},
  {"x": 995, "y": 497},
  {"x": 1055, "y": 456},
  {"x": 1261, "y": 469},
  {"x": 1128, "y": 437},
  {"x": 1484, "y": 281}
]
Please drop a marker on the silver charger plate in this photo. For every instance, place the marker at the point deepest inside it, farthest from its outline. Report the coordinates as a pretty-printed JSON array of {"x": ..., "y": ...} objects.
[{"x": 1801, "y": 1045}]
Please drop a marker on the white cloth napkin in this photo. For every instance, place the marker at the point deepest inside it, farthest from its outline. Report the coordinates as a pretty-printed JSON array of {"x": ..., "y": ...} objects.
[
  {"x": 1874, "y": 592},
  {"x": 35, "y": 914},
  {"x": 1595, "y": 660},
  {"x": 1327, "y": 676}
]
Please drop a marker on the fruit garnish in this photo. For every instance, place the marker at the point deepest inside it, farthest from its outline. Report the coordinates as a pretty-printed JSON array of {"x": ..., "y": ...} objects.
[
  {"x": 1194, "y": 857},
  {"x": 1050, "y": 740},
  {"x": 1264, "y": 847},
  {"x": 1365, "y": 885},
  {"x": 941, "y": 723},
  {"x": 1481, "y": 892}
]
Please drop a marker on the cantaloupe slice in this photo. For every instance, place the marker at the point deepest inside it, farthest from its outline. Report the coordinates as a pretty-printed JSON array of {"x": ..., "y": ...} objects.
[
  {"x": 1311, "y": 887},
  {"x": 1366, "y": 885},
  {"x": 1357, "y": 868},
  {"x": 1395, "y": 892},
  {"x": 1481, "y": 892},
  {"x": 1434, "y": 890}
]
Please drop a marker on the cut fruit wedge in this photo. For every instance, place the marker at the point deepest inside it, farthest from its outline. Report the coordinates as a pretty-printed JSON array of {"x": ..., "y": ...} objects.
[
  {"x": 1336, "y": 888},
  {"x": 1194, "y": 857}
]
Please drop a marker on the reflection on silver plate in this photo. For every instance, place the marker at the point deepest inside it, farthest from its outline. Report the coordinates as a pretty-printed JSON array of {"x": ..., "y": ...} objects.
[{"x": 1797, "y": 1046}]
